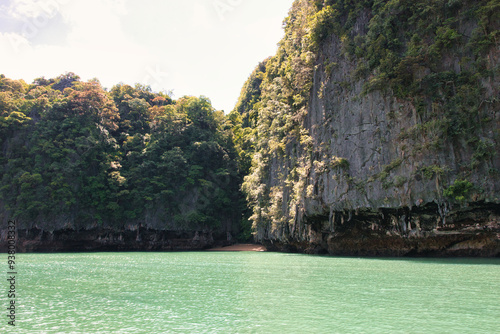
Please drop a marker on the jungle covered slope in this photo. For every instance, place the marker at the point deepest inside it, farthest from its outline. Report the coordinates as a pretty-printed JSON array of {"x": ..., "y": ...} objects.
[
  {"x": 374, "y": 130},
  {"x": 127, "y": 164}
]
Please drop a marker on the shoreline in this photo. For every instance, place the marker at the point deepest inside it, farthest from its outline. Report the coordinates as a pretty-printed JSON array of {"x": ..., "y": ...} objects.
[
  {"x": 466, "y": 241},
  {"x": 240, "y": 248}
]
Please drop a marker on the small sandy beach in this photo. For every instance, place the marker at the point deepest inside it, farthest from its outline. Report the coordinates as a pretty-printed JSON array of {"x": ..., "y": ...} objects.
[{"x": 240, "y": 248}]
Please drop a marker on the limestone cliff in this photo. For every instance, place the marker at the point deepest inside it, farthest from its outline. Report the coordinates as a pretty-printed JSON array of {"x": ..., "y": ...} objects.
[{"x": 378, "y": 130}]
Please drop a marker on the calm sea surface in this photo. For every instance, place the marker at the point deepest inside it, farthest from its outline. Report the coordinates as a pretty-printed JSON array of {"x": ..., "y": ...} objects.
[{"x": 252, "y": 293}]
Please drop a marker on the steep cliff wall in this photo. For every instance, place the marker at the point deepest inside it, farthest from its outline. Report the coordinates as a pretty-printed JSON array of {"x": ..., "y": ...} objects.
[{"x": 378, "y": 131}]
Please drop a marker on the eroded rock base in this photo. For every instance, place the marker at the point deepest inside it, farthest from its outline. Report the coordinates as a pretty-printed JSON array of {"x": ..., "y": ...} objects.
[
  {"x": 107, "y": 240},
  {"x": 469, "y": 232}
]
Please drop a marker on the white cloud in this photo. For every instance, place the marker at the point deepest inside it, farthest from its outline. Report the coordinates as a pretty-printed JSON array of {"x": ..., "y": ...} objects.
[
  {"x": 168, "y": 44},
  {"x": 12, "y": 45},
  {"x": 94, "y": 22},
  {"x": 96, "y": 47},
  {"x": 119, "y": 6},
  {"x": 30, "y": 9},
  {"x": 200, "y": 17}
]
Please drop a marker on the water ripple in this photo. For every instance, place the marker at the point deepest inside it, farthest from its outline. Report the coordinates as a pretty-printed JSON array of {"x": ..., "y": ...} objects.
[{"x": 254, "y": 293}]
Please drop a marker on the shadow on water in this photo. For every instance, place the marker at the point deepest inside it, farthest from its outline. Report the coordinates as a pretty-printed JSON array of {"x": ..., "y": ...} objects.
[
  {"x": 423, "y": 260},
  {"x": 460, "y": 261}
]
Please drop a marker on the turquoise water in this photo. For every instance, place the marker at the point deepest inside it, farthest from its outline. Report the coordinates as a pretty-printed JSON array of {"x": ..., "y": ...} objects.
[{"x": 253, "y": 293}]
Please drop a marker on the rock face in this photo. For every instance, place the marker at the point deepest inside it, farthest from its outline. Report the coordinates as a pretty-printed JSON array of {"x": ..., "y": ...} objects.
[
  {"x": 386, "y": 163},
  {"x": 469, "y": 232},
  {"x": 108, "y": 240}
]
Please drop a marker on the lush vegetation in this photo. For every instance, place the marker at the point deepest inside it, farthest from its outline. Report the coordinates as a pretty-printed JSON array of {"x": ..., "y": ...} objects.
[{"x": 76, "y": 155}]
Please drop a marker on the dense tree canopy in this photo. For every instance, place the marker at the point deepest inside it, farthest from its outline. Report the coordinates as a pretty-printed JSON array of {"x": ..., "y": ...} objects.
[{"x": 75, "y": 155}]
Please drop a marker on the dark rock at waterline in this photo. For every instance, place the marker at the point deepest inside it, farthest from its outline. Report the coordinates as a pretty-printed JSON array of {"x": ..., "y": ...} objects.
[
  {"x": 473, "y": 231},
  {"x": 108, "y": 240}
]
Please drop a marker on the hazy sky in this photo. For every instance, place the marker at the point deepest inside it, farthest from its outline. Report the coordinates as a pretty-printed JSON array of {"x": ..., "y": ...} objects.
[{"x": 192, "y": 47}]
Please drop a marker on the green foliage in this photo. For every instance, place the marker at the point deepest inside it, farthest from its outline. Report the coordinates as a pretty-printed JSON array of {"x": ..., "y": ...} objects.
[
  {"x": 459, "y": 190},
  {"x": 81, "y": 156},
  {"x": 63, "y": 81},
  {"x": 430, "y": 172},
  {"x": 341, "y": 163},
  {"x": 400, "y": 180},
  {"x": 250, "y": 96},
  {"x": 245, "y": 234},
  {"x": 483, "y": 150},
  {"x": 386, "y": 170},
  {"x": 410, "y": 45},
  {"x": 323, "y": 23}
]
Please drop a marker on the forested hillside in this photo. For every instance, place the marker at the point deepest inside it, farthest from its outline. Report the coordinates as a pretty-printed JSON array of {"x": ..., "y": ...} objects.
[
  {"x": 75, "y": 156},
  {"x": 375, "y": 129}
]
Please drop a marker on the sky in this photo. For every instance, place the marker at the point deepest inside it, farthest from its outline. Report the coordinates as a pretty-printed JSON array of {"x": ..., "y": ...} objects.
[{"x": 187, "y": 47}]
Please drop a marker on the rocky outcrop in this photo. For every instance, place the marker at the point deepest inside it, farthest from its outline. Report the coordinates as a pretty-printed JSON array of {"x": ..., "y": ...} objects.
[
  {"x": 395, "y": 151},
  {"x": 470, "y": 232},
  {"x": 109, "y": 240}
]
